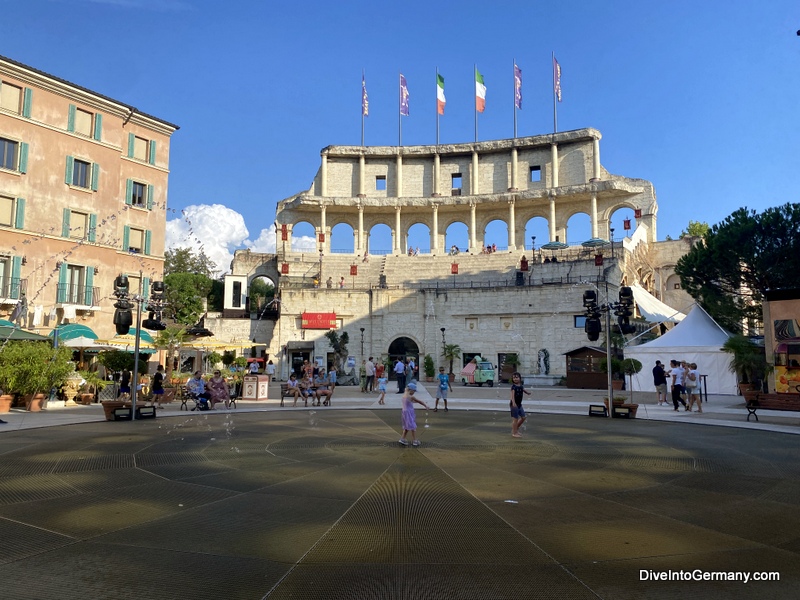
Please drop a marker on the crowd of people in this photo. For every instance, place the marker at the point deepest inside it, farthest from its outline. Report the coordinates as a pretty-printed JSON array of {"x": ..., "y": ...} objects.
[{"x": 683, "y": 379}]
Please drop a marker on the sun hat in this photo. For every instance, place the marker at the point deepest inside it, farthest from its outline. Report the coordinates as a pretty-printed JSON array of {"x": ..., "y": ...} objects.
[{"x": 412, "y": 386}]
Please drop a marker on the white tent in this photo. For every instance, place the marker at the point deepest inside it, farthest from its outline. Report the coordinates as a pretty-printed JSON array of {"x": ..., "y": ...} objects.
[{"x": 696, "y": 339}]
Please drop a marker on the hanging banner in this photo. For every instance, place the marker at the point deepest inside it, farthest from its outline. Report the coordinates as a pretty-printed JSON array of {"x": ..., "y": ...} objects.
[{"x": 311, "y": 320}]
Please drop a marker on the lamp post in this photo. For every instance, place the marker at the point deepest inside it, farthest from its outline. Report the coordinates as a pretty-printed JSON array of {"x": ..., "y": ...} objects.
[
  {"x": 533, "y": 243},
  {"x": 611, "y": 239},
  {"x": 362, "y": 343},
  {"x": 444, "y": 342}
]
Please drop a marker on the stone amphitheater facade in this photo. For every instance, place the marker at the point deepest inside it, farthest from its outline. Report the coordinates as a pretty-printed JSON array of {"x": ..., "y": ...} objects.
[{"x": 400, "y": 304}]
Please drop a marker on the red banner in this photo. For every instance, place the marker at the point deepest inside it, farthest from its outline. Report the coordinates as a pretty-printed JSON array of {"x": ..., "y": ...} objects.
[
  {"x": 454, "y": 269},
  {"x": 284, "y": 233},
  {"x": 321, "y": 237},
  {"x": 284, "y": 268},
  {"x": 318, "y": 320},
  {"x": 598, "y": 260},
  {"x": 637, "y": 213},
  {"x": 353, "y": 270}
]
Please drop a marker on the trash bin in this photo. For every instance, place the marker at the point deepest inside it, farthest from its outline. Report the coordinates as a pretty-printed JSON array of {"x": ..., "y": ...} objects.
[{"x": 255, "y": 387}]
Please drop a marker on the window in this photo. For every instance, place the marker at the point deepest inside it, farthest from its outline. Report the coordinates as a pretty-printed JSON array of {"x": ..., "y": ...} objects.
[
  {"x": 141, "y": 149},
  {"x": 580, "y": 321},
  {"x": 12, "y": 212},
  {"x": 536, "y": 174},
  {"x": 380, "y": 182},
  {"x": 237, "y": 294},
  {"x": 139, "y": 194},
  {"x": 676, "y": 286},
  {"x": 74, "y": 284},
  {"x": 456, "y": 184},
  {"x": 80, "y": 173},
  {"x": 78, "y": 225},
  {"x": 10, "y": 96},
  {"x": 136, "y": 240},
  {"x": 9, "y": 150}
]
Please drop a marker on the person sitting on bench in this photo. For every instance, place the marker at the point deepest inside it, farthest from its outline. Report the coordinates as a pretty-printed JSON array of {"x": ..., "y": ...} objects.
[
  {"x": 293, "y": 388},
  {"x": 323, "y": 387},
  {"x": 218, "y": 390},
  {"x": 196, "y": 388}
]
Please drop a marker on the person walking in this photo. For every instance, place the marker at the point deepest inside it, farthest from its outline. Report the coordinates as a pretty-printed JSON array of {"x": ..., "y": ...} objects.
[
  {"x": 370, "y": 370},
  {"x": 409, "y": 417},
  {"x": 441, "y": 389},
  {"x": 692, "y": 383},
  {"x": 382, "y": 381},
  {"x": 677, "y": 374},
  {"x": 400, "y": 372},
  {"x": 660, "y": 381},
  {"x": 270, "y": 370},
  {"x": 158, "y": 386},
  {"x": 517, "y": 412}
]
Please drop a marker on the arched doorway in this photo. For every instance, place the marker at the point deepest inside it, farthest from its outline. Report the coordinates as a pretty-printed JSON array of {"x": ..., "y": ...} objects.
[{"x": 403, "y": 348}]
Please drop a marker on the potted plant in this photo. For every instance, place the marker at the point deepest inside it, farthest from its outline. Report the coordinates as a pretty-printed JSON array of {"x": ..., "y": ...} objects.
[
  {"x": 93, "y": 383},
  {"x": 748, "y": 362},
  {"x": 617, "y": 372},
  {"x": 37, "y": 368},
  {"x": 510, "y": 366},
  {"x": 429, "y": 367},
  {"x": 450, "y": 353}
]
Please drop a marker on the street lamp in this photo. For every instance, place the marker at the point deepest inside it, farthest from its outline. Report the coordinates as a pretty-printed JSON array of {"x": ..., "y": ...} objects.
[
  {"x": 611, "y": 239},
  {"x": 533, "y": 243},
  {"x": 362, "y": 343}
]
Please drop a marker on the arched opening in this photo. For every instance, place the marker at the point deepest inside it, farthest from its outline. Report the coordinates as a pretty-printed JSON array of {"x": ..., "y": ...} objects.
[
  {"x": 342, "y": 240},
  {"x": 261, "y": 296},
  {"x": 419, "y": 239},
  {"x": 402, "y": 348},
  {"x": 457, "y": 234},
  {"x": 579, "y": 229},
  {"x": 537, "y": 228},
  {"x": 379, "y": 240},
  {"x": 618, "y": 219},
  {"x": 496, "y": 235},
  {"x": 304, "y": 237}
]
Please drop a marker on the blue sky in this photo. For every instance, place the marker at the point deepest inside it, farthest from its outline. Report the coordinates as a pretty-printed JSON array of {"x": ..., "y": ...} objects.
[{"x": 701, "y": 98}]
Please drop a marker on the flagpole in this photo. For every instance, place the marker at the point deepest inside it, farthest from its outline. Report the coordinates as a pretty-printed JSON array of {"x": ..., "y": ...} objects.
[
  {"x": 475, "y": 79},
  {"x": 514, "y": 96},
  {"x": 362, "y": 107},
  {"x": 555, "y": 113},
  {"x": 437, "y": 105},
  {"x": 399, "y": 109}
]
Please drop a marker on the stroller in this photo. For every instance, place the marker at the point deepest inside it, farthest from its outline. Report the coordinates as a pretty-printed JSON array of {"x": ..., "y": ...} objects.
[{"x": 200, "y": 401}]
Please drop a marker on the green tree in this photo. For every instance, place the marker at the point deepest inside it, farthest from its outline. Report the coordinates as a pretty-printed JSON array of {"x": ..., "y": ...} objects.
[
  {"x": 339, "y": 345},
  {"x": 450, "y": 353},
  {"x": 216, "y": 297},
  {"x": 739, "y": 259},
  {"x": 184, "y": 293},
  {"x": 186, "y": 260},
  {"x": 695, "y": 229},
  {"x": 260, "y": 292},
  {"x": 170, "y": 339}
]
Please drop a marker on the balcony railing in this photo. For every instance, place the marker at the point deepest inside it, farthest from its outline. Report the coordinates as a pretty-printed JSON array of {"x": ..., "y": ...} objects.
[
  {"x": 13, "y": 287},
  {"x": 77, "y": 294}
]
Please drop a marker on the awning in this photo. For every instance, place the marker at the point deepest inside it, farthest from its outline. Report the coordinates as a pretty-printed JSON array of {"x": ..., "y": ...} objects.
[
  {"x": 14, "y": 333},
  {"x": 652, "y": 309},
  {"x": 300, "y": 346},
  {"x": 128, "y": 342},
  {"x": 71, "y": 331}
]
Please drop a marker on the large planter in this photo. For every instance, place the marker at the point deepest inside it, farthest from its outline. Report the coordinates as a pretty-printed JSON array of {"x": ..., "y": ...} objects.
[
  {"x": 616, "y": 384},
  {"x": 109, "y": 406},
  {"x": 5, "y": 402},
  {"x": 168, "y": 396},
  {"x": 86, "y": 399},
  {"x": 34, "y": 402}
]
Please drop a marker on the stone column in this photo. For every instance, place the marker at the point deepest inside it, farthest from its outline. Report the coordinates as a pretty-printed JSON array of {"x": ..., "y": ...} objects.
[
  {"x": 474, "y": 183},
  {"x": 399, "y": 174},
  {"x": 397, "y": 239},
  {"x": 323, "y": 176},
  {"x": 596, "y": 158},
  {"x": 323, "y": 228},
  {"x": 362, "y": 167},
  {"x": 554, "y": 161},
  {"x": 594, "y": 214},
  {"x": 514, "y": 157},
  {"x": 512, "y": 226},
  {"x": 360, "y": 238},
  {"x": 437, "y": 175},
  {"x": 435, "y": 230},
  {"x": 552, "y": 223},
  {"x": 472, "y": 239}
]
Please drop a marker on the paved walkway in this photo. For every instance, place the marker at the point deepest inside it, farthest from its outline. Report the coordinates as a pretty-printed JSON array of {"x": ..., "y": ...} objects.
[
  {"x": 721, "y": 410},
  {"x": 322, "y": 502}
]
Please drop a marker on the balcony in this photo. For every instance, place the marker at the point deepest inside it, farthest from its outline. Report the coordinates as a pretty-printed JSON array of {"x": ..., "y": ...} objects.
[
  {"x": 78, "y": 295},
  {"x": 11, "y": 288}
]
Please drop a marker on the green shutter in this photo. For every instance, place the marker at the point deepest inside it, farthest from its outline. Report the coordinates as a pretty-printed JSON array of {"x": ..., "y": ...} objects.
[
  {"x": 145, "y": 289},
  {"x": 147, "y": 235},
  {"x": 95, "y": 176},
  {"x": 129, "y": 192},
  {"x": 131, "y": 140},
  {"x": 126, "y": 238},
  {"x": 19, "y": 220},
  {"x": 27, "y": 99},
  {"x": 71, "y": 119},
  {"x": 70, "y": 169},
  {"x": 23, "y": 158},
  {"x": 150, "y": 193},
  {"x": 88, "y": 293},
  {"x": 152, "y": 152},
  {"x": 65, "y": 223},
  {"x": 16, "y": 270},
  {"x": 61, "y": 295},
  {"x": 92, "y": 234},
  {"x": 98, "y": 127}
]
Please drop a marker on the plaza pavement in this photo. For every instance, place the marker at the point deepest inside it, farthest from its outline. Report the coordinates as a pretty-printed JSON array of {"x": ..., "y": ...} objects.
[{"x": 321, "y": 502}]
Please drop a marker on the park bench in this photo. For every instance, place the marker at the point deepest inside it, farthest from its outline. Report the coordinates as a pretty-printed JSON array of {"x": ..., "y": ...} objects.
[
  {"x": 285, "y": 393},
  {"x": 763, "y": 401}
]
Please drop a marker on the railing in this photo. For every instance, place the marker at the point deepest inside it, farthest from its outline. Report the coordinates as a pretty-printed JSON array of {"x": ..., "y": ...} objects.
[
  {"x": 77, "y": 294},
  {"x": 13, "y": 287}
]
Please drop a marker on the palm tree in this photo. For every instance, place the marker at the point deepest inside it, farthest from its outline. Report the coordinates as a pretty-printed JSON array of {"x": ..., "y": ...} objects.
[{"x": 451, "y": 352}]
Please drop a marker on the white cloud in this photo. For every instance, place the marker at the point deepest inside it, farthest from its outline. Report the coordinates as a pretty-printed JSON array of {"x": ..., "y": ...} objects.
[
  {"x": 266, "y": 242},
  {"x": 213, "y": 228}
]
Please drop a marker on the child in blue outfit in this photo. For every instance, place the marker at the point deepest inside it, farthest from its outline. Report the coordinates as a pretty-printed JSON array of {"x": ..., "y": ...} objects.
[
  {"x": 441, "y": 389},
  {"x": 382, "y": 389}
]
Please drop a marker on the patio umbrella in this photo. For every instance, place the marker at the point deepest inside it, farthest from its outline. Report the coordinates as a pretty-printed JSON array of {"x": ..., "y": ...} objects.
[
  {"x": 595, "y": 243},
  {"x": 83, "y": 342},
  {"x": 554, "y": 246}
]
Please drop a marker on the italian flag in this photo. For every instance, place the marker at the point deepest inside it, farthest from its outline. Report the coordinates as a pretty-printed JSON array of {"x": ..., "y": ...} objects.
[
  {"x": 480, "y": 92},
  {"x": 440, "y": 101}
]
